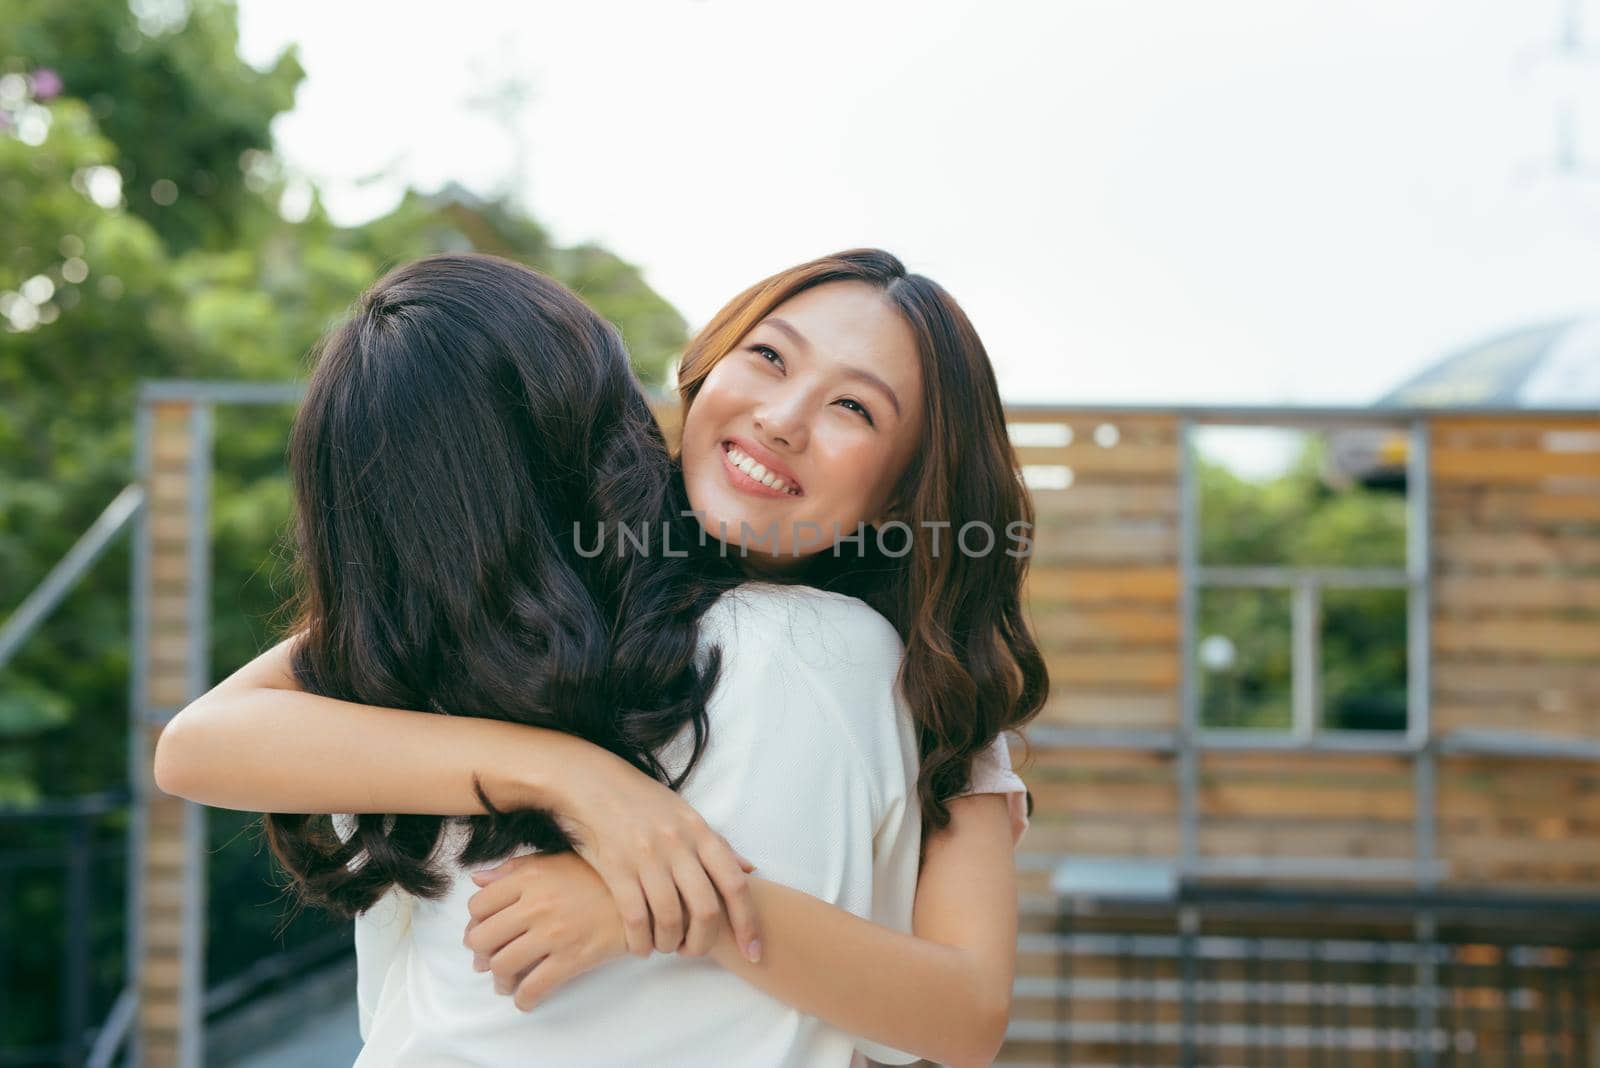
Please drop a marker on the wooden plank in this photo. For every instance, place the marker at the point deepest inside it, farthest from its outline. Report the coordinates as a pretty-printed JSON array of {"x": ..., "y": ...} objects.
[
  {"x": 1121, "y": 709},
  {"x": 1084, "y": 425},
  {"x": 1373, "y": 766},
  {"x": 1475, "y": 850},
  {"x": 1090, "y": 461},
  {"x": 1520, "y": 549},
  {"x": 1098, "y": 837},
  {"x": 169, "y": 488},
  {"x": 1118, "y": 626},
  {"x": 1513, "y": 505},
  {"x": 162, "y": 975},
  {"x": 1103, "y": 500},
  {"x": 167, "y": 691},
  {"x": 1081, "y": 586},
  {"x": 170, "y": 528},
  {"x": 170, "y": 449},
  {"x": 1349, "y": 841},
  {"x": 1486, "y": 464},
  {"x": 1142, "y": 669},
  {"x": 1067, "y": 762},
  {"x": 1566, "y": 813},
  {"x": 1495, "y": 676},
  {"x": 1459, "y": 592},
  {"x": 1065, "y": 541},
  {"x": 170, "y": 649},
  {"x": 1556, "y": 715},
  {"x": 1545, "y": 638},
  {"x": 169, "y": 609},
  {"x": 1574, "y": 437},
  {"x": 1081, "y": 800},
  {"x": 1230, "y": 798}
]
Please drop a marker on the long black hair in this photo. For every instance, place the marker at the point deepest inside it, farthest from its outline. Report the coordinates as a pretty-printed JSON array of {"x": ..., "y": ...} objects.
[{"x": 457, "y": 431}]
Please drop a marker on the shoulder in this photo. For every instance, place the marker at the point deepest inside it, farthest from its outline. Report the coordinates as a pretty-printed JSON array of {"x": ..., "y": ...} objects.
[
  {"x": 825, "y": 665},
  {"x": 805, "y": 627}
]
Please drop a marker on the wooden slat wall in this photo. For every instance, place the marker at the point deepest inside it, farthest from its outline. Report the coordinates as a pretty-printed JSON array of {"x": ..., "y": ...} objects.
[
  {"x": 1520, "y": 823},
  {"x": 1306, "y": 805},
  {"x": 1103, "y": 584},
  {"x": 1516, "y": 641},
  {"x": 1517, "y": 558},
  {"x": 1103, "y": 596}
]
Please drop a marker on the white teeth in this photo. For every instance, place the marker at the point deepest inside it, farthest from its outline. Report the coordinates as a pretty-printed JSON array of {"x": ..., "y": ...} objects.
[{"x": 748, "y": 465}]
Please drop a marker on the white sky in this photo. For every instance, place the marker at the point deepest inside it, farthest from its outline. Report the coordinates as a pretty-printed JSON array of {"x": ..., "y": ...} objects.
[{"x": 1150, "y": 201}]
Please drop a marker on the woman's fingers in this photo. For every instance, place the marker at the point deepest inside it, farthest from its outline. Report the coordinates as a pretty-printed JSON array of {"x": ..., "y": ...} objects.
[
  {"x": 727, "y": 872},
  {"x": 538, "y": 983},
  {"x": 487, "y": 937},
  {"x": 492, "y": 898},
  {"x": 705, "y": 908},
  {"x": 512, "y": 961},
  {"x": 635, "y": 913},
  {"x": 666, "y": 910}
]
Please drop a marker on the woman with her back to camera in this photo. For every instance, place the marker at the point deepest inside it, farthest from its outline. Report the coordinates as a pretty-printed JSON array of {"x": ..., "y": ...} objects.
[{"x": 857, "y": 382}]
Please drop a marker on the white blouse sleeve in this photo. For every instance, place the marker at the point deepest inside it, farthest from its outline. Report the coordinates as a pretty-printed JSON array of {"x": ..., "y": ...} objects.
[{"x": 992, "y": 774}]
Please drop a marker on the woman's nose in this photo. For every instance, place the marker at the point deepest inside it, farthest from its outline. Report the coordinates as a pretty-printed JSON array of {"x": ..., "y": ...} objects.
[{"x": 784, "y": 422}]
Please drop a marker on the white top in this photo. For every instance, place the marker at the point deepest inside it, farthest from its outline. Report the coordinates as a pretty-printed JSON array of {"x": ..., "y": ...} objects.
[
  {"x": 809, "y": 770},
  {"x": 992, "y": 774}
]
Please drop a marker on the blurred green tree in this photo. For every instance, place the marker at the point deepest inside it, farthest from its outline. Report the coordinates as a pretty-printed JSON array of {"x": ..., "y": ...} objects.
[
  {"x": 148, "y": 230},
  {"x": 143, "y": 234}
]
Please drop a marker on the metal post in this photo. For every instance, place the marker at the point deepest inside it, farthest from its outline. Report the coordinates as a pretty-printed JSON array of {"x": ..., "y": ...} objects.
[
  {"x": 1305, "y": 661},
  {"x": 1427, "y": 932},
  {"x": 1188, "y": 615},
  {"x": 1419, "y": 655},
  {"x": 139, "y": 785},
  {"x": 202, "y": 431},
  {"x": 1189, "y": 970},
  {"x": 75, "y": 974}
]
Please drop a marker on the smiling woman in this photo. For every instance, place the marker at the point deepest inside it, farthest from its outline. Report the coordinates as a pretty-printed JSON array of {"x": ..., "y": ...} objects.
[
  {"x": 867, "y": 389},
  {"x": 798, "y": 435}
]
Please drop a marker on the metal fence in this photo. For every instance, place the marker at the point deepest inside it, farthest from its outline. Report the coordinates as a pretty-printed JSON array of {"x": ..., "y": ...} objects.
[
  {"x": 1280, "y": 977},
  {"x": 62, "y": 869},
  {"x": 64, "y": 996}
]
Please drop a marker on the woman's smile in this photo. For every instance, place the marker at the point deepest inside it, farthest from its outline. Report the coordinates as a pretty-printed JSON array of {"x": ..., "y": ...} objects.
[{"x": 754, "y": 470}]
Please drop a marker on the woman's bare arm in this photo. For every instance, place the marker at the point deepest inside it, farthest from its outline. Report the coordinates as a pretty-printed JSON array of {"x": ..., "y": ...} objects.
[
  {"x": 540, "y": 921},
  {"x": 950, "y": 997},
  {"x": 257, "y": 742}
]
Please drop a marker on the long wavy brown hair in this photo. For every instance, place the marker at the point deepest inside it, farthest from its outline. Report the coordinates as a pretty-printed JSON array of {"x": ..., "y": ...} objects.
[{"x": 972, "y": 668}]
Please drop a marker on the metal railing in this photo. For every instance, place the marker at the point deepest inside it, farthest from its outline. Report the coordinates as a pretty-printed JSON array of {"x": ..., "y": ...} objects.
[
  {"x": 1236, "y": 975},
  {"x": 61, "y": 968}
]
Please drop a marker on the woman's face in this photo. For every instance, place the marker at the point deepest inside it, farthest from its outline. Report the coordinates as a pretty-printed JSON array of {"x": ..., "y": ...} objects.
[{"x": 803, "y": 431}]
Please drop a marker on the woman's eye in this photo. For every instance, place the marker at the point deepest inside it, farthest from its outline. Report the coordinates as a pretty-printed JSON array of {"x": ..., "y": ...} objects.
[
  {"x": 856, "y": 406},
  {"x": 768, "y": 354}
]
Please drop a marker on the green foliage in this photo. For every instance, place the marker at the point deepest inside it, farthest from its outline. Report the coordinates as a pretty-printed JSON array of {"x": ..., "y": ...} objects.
[
  {"x": 1297, "y": 519},
  {"x": 142, "y": 237},
  {"x": 106, "y": 281}
]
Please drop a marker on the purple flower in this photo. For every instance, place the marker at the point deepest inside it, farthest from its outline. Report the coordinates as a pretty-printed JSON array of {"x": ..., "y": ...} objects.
[{"x": 46, "y": 84}]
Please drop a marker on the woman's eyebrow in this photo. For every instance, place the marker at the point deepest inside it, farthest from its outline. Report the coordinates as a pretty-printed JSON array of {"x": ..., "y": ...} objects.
[
  {"x": 871, "y": 379},
  {"x": 858, "y": 373},
  {"x": 782, "y": 324}
]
